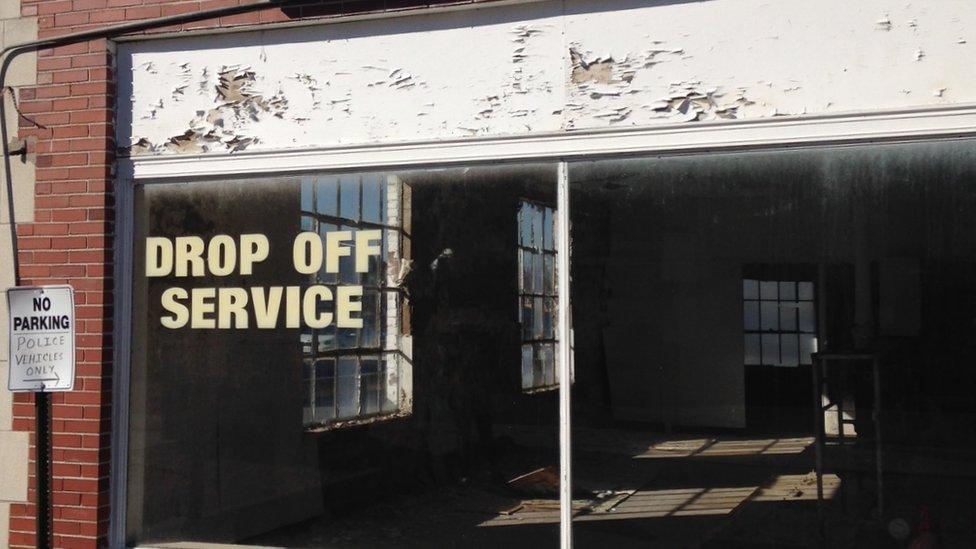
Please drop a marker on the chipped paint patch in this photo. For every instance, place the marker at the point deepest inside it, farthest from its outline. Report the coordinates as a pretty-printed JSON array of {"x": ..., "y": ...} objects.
[{"x": 541, "y": 67}]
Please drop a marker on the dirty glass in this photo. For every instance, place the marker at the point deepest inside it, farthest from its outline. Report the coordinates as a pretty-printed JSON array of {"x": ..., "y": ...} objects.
[
  {"x": 340, "y": 359},
  {"x": 776, "y": 348}
]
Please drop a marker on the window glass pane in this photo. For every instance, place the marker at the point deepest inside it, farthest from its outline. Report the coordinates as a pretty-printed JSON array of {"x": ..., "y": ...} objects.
[
  {"x": 390, "y": 398},
  {"x": 548, "y": 229},
  {"x": 787, "y": 291},
  {"x": 324, "y": 390},
  {"x": 537, "y": 223},
  {"x": 807, "y": 320},
  {"x": 528, "y": 277},
  {"x": 750, "y": 315},
  {"x": 770, "y": 315},
  {"x": 349, "y": 197},
  {"x": 750, "y": 289},
  {"x": 770, "y": 349},
  {"x": 308, "y": 190},
  {"x": 326, "y": 195},
  {"x": 347, "y": 388},
  {"x": 370, "y": 386},
  {"x": 525, "y": 224},
  {"x": 808, "y": 345},
  {"x": 348, "y": 338},
  {"x": 527, "y": 366},
  {"x": 528, "y": 319},
  {"x": 538, "y": 324},
  {"x": 752, "y": 353},
  {"x": 370, "y": 333},
  {"x": 805, "y": 290},
  {"x": 373, "y": 209},
  {"x": 326, "y": 337},
  {"x": 538, "y": 273},
  {"x": 538, "y": 366},
  {"x": 787, "y": 316},
  {"x": 548, "y": 364},
  {"x": 789, "y": 350},
  {"x": 549, "y": 319},
  {"x": 550, "y": 274},
  {"x": 768, "y": 289}
]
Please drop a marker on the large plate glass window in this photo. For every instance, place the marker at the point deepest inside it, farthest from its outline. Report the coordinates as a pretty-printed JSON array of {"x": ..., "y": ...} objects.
[
  {"x": 335, "y": 358},
  {"x": 774, "y": 348}
]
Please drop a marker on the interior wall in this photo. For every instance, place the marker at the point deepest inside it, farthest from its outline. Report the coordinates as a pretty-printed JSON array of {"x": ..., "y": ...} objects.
[{"x": 882, "y": 231}]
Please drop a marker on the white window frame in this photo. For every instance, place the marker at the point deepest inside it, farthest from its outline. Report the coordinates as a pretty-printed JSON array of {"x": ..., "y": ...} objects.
[{"x": 900, "y": 125}]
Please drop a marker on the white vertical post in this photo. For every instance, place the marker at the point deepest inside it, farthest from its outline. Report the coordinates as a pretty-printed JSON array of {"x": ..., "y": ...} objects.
[{"x": 565, "y": 359}]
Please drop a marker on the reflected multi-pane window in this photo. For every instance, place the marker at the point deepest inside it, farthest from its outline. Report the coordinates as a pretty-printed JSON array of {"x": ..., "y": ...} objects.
[
  {"x": 353, "y": 373},
  {"x": 537, "y": 294},
  {"x": 779, "y": 322}
]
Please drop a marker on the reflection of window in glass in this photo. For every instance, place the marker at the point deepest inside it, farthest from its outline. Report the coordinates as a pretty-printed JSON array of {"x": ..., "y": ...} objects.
[
  {"x": 349, "y": 373},
  {"x": 537, "y": 295},
  {"x": 779, "y": 322}
]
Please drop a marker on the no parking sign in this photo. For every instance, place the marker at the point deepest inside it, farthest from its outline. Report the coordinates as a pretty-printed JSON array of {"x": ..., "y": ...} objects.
[{"x": 41, "y": 339}]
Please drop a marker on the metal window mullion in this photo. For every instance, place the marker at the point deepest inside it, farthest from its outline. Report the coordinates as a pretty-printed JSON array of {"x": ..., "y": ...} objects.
[{"x": 565, "y": 373}]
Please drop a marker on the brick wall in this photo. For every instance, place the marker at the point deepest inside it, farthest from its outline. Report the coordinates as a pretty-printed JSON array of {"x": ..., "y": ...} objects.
[{"x": 71, "y": 115}]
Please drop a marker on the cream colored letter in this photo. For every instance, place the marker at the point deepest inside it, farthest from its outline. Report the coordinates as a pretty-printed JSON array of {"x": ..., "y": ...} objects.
[
  {"x": 222, "y": 255},
  {"x": 306, "y": 252},
  {"x": 345, "y": 305},
  {"x": 334, "y": 249},
  {"x": 266, "y": 307},
  {"x": 180, "y": 313},
  {"x": 313, "y": 319},
  {"x": 159, "y": 256},
  {"x": 189, "y": 256},
  {"x": 254, "y": 249},
  {"x": 231, "y": 302},
  {"x": 364, "y": 248},
  {"x": 202, "y": 304}
]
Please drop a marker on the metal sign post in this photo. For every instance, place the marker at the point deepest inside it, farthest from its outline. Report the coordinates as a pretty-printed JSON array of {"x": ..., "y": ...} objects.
[{"x": 41, "y": 344}]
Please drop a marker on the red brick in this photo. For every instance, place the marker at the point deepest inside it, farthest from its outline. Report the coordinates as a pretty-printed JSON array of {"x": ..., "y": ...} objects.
[
  {"x": 33, "y": 243},
  {"x": 70, "y": 104},
  {"x": 77, "y": 159},
  {"x": 53, "y": 7},
  {"x": 69, "y": 243},
  {"x": 143, "y": 12},
  {"x": 53, "y": 63},
  {"x": 71, "y": 18},
  {"x": 108, "y": 16},
  {"x": 74, "y": 75},
  {"x": 79, "y": 5}
]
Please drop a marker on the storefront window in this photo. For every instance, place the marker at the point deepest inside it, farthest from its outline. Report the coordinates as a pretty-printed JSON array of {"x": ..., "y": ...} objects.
[
  {"x": 711, "y": 291},
  {"x": 327, "y": 359}
]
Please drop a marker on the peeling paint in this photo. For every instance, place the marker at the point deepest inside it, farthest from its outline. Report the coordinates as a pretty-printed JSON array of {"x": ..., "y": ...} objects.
[{"x": 542, "y": 67}]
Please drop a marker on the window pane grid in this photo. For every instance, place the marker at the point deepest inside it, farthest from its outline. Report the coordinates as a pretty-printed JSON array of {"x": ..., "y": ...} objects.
[
  {"x": 538, "y": 300},
  {"x": 779, "y": 322},
  {"x": 348, "y": 372}
]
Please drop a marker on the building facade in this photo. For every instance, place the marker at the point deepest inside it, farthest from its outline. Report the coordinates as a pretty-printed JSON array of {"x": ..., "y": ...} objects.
[{"x": 315, "y": 247}]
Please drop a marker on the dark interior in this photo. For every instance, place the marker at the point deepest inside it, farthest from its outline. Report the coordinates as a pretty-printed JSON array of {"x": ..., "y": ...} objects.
[{"x": 694, "y": 419}]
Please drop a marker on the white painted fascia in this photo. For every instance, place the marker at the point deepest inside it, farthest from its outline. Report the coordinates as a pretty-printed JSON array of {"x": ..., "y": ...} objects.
[{"x": 833, "y": 129}]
